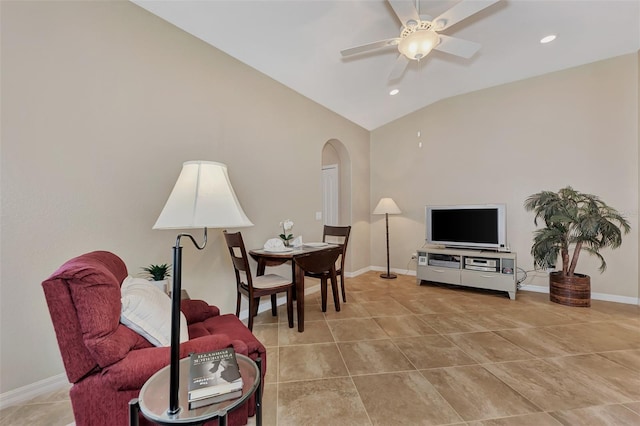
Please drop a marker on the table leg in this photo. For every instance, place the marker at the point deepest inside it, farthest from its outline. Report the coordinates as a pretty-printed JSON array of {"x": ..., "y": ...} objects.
[
  {"x": 261, "y": 267},
  {"x": 293, "y": 277},
  {"x": 222, "y": 420},
  {"x": 334, "y": 289},
  {"x": 134, "y": 409},
  {"x": 300, "y": 299},
  {"x": 259, "y": 394}
]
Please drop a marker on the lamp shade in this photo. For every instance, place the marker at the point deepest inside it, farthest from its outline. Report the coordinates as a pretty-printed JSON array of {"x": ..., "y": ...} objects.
[
  {"x": 202, "y": 198},
  {"x": 387, "y": 206}
]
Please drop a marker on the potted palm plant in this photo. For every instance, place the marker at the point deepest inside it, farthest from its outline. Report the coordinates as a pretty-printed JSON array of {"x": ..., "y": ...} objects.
[
  {"x": 159, "y": 275},
  {"x": 574, "y": 222}
]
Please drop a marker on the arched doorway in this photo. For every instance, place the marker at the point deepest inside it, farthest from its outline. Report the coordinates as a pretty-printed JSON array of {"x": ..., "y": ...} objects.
[{"x": 336, "y": 172}]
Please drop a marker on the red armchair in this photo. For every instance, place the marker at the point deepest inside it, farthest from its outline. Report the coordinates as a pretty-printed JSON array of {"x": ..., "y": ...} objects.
[{"x": 107, "y": 362}]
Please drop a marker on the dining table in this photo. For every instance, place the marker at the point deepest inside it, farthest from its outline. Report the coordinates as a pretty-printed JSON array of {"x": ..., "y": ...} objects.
[{"x": 266, "y": 258}]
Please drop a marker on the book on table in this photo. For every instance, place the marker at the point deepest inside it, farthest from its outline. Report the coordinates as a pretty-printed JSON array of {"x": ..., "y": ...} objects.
[
  {"x": 214, "y": 399},
  {"x": 213, "y": 377}
]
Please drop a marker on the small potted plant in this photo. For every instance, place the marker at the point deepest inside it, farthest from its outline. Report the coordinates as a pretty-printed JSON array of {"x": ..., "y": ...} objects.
[
  {"x": 286, "y": 236},
  {"x": 573, "y": 222},
  {"x": 159, "y": 275}
]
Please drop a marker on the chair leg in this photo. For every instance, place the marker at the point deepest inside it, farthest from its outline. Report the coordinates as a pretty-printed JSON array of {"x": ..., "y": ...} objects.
[
  {"x": 251, "y": 303},
  {"x": 274, "y": 305},
  {"x": 238, "y": 304},
  {"x": 334, "y": 290},
  {"x": 323, "y": 291},
  {"x": 290, "y": 306},
  {"x": 256, "y": 305},
  {"x": 344, "y": 296}
]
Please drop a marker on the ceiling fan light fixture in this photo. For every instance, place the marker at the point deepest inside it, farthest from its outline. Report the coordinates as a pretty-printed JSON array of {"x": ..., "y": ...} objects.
[{"x": 418, "y": 44}]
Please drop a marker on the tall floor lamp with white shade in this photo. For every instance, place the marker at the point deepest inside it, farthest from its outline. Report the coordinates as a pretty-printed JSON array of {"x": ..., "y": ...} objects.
[
  {"x": 201, "y": 198},
  {"x": 387, "y": 206}
]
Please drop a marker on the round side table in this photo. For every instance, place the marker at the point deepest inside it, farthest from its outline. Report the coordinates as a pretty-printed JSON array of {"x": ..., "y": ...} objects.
[{"x": 153, "y": 400}]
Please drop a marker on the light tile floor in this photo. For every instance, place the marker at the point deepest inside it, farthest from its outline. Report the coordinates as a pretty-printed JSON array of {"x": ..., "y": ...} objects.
[{"x": 402, "y": 354}]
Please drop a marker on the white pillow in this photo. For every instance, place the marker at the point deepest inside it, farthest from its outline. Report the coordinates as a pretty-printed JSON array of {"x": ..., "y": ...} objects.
[{"x": 147, "y": 310}]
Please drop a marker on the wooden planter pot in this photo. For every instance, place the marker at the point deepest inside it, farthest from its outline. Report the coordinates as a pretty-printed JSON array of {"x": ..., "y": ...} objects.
[{"x": 570, "y": 291}]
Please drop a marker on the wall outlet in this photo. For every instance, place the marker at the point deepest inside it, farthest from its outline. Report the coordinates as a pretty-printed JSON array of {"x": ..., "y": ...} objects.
[{"x": 318, "y": 215}]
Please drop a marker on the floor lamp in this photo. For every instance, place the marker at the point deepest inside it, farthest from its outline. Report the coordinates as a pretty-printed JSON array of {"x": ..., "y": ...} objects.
[
  {"x": 201, "y": 198},
  {"x": 387, "y": 206}
]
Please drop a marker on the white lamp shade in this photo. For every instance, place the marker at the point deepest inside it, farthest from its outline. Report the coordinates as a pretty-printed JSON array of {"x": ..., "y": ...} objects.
[
  {"x": 387, "y": 206},
  {"x": 202, "y": 198}
]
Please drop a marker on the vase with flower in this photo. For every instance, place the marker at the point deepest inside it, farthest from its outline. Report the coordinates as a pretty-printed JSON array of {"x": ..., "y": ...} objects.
[{"x": 286, "y": 236}]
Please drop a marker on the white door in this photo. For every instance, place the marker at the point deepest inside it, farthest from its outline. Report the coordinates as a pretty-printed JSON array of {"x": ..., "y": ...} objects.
[{"x": 330, "y": 188}]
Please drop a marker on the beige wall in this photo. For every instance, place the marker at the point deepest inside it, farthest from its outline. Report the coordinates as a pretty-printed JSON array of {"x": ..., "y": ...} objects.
[
  {"x": 101, "y": 104},
  {"x": 576, "y": 127}
]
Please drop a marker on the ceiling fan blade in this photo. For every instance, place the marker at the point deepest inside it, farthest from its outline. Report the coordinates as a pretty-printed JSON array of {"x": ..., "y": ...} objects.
[
  {"x": 460, "y": 11},
  {"x": 406, "y": 11},
  {"x": 399, "y": 67},
  {"x": 457, "y": 46},
  {"x": 370, "y": 46}
]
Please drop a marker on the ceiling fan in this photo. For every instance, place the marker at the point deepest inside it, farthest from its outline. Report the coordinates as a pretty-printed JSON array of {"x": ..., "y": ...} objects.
[{"x": 420, "y": 35}]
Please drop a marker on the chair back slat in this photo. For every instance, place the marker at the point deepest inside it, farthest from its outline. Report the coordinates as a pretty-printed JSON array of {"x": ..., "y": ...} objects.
[
  {"x": 337, "y": 231},
  {"x": 239, "y": 258},
  {"x": 337, "y": 235}
]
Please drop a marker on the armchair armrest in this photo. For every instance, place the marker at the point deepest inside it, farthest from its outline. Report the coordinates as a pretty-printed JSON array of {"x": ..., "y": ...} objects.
[
  {"x": 138, "y": 366},
  {"x": 197, "y": 310}
]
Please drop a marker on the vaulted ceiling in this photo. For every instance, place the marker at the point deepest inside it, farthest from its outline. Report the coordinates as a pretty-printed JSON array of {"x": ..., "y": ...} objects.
[{"x": 298, "y": 43}]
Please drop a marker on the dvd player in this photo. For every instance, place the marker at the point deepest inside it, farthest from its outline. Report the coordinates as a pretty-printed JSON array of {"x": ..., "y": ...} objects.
[
  {"x": 481, "y": 268},
  {"x": 444, "y": 263},
  {"x": 481, "y": 261}
]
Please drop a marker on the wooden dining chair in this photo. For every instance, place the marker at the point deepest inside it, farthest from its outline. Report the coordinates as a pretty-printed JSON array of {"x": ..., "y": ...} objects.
[
  {"x": 322, "y": 265},
  {"x": 337, "y": 235},
  {"x": 256, "y": 287}
]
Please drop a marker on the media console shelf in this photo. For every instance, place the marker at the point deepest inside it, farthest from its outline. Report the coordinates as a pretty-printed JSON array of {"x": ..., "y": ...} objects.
[{"x": 489, "y": 270}]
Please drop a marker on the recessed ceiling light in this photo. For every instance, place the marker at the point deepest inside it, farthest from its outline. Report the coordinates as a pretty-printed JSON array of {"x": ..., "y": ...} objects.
[
  {"x": 548, "y": 39},
  {"x": 394, "y": 92}
]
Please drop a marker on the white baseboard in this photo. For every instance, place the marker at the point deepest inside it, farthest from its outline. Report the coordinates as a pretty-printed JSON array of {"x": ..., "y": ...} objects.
[
  {"x": 595, "y": 296},
  {"x": 33, "y": 390},
  {"x": 393, "y": 270},
  {"x": 358, "y": 272},
  {"x": 535, "y": 288}
]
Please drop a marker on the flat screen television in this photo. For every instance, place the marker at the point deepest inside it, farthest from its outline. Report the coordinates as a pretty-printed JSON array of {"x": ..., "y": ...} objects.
[{"x": 475, "y": 226}]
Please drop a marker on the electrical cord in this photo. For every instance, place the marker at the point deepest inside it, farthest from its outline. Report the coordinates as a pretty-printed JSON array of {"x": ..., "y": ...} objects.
[
  {"x": 408, "y": 263},
  {"x": 519, "y": 281}
]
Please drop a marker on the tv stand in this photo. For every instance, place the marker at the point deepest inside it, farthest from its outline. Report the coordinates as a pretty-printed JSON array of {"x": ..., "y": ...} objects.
[{"x": 470, "y": 268}]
